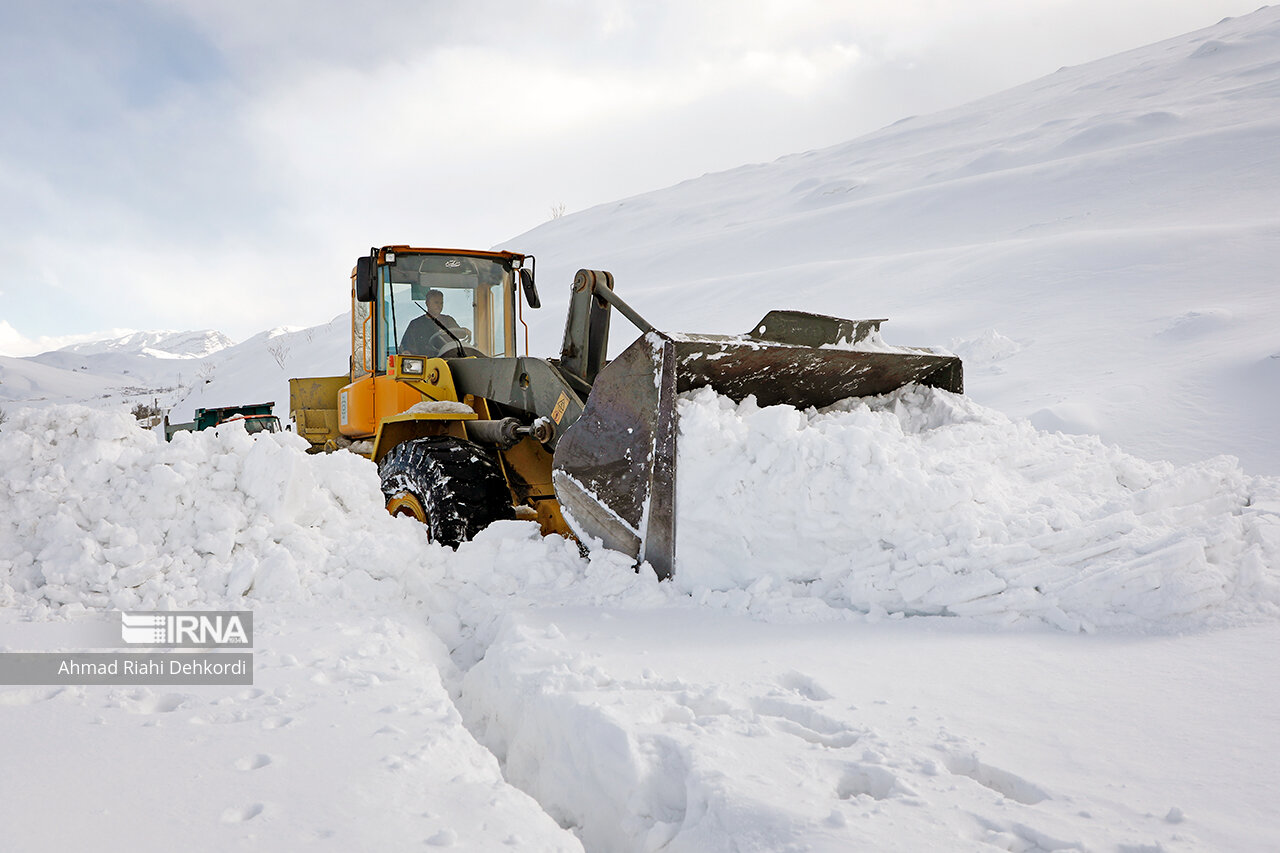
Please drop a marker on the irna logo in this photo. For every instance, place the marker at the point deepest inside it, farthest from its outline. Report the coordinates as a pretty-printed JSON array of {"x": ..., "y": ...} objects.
[{"x": 205, "y": 629}]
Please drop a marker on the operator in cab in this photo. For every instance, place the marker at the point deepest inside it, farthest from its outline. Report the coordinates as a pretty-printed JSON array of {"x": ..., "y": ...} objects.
[{"x": 434, "y": 333}]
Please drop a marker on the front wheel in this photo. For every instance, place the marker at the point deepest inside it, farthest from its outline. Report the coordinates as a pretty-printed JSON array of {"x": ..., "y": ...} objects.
[{"x": 453, "y": 486}]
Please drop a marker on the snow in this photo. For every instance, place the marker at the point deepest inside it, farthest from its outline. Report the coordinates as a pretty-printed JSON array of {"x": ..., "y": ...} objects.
[
  {"x": 923, "y": 502},
  {"x": 1116, "y": 221},
  {"x": 155, "y": 344},
  {"x": 179, "y": 372},
  {"x": 700, "y": 715},
  {"x": 914, "y": 735},
  {"x": 1041, "y": 616},
  {"x": 439, "y": 407}
]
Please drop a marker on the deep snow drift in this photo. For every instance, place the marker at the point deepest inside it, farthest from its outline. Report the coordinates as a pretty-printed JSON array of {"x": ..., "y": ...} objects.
[
  {"x": 916, "y": 503},
  {"x": 576, "y": 691},
  {"x": 923, "y": 502},
  {"x": 348, "y": 737}
]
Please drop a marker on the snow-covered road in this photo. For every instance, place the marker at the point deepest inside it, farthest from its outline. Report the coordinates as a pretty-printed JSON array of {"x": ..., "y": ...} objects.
[{"x": 707, "y": 731}]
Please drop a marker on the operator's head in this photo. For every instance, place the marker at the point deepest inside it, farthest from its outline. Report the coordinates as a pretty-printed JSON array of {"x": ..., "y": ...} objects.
[{"x": 435, "y": 301}]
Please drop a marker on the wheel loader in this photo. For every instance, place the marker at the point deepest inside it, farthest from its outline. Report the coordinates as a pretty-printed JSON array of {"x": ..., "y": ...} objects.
[{"x": 465, "y": 431}]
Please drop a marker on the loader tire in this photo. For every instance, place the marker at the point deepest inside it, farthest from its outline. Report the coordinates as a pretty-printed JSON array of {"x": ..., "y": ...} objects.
[{"x": 454, "y": 487}]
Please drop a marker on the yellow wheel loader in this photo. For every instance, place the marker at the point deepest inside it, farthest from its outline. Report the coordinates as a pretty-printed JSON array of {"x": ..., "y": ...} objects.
[{"x": 465, "y": 431}]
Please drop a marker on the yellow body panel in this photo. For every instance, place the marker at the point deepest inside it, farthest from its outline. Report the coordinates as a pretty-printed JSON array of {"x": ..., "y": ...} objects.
[
  {"x": 391, "y": 398},
  {"x": 313, "y": 405},
  {"x": 355, "y": 409},
  {"x": 435, "y": 383},
  {"x": 371, "y": 400}
]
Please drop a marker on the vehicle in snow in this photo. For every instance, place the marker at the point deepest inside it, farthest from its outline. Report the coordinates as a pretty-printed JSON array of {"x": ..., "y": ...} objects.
[
  {"x": 465, "y": 431},
  {"x": 257, "y": 417}
]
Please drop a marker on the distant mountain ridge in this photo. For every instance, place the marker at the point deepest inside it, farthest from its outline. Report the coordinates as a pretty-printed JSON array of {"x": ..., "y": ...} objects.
[{"x": 158, "y": 344}]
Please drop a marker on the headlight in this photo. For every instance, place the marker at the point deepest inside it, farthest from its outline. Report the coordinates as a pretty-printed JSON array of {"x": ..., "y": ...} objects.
[{"x": 412, "y": 366}]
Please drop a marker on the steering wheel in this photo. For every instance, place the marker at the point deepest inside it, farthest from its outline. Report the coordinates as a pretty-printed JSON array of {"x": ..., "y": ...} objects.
[{"x": 438, "y": 342}]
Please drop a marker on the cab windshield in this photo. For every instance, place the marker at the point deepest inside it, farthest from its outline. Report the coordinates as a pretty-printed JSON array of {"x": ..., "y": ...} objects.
[{"x": 444, "y": 306}]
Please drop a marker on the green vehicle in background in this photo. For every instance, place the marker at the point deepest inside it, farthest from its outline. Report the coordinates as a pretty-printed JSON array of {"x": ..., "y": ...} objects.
[{"x": 257, "y": 417}]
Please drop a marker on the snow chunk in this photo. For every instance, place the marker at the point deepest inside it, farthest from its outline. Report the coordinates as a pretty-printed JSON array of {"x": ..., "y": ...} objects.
[
  {"x": 986, "y": 349},
  {"x": 439, "y": 407}
]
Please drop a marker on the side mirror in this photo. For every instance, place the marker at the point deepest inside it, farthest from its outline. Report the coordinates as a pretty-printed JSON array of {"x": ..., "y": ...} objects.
[
  {"x": 530, "y": 289},
  {"x": 367, "y": 277}
]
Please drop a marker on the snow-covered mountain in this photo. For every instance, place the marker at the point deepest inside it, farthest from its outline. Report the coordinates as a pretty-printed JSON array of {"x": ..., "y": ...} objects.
[
  {"x": 922, "y": 622},
  {"x": 258, "y": 370},
  {"x": 141, "y": 367},
  {"x": 179, "y": 371},
  {"x": 153, "y": 344},
  {"x": 1099, "y": 245}
]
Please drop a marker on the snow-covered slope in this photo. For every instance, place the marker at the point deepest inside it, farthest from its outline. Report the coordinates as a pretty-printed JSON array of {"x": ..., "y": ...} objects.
[
  {"x": 1099, "y": 245},
  {"x": 258, "y": 370},
  {"x": 178, "y": 371},
  {"x": 143, "y": 367},
  {"x": 909, "y": 623}
]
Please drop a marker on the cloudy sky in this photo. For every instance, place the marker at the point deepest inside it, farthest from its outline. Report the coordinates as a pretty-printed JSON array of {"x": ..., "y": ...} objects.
[{"x": 188, "y": 164}]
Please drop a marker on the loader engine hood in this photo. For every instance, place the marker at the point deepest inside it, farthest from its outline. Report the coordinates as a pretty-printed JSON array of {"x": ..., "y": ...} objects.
[{"x": 615, "y": 469}]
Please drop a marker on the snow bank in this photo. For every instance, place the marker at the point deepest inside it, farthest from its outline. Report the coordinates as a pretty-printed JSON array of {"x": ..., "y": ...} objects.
[
  {"x": 98, "y": 513},
  {"x": 920, "y": 502},
  {"x": 923, "y": 502},
  {"x": 103, "y": 514}
]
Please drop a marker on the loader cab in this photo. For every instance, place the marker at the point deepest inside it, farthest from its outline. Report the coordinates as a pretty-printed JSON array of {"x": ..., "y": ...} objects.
[{"x": 401, "y": 313}]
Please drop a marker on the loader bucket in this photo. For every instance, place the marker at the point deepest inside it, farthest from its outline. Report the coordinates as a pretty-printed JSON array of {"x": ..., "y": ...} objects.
[{"x": 614, "y": 469}]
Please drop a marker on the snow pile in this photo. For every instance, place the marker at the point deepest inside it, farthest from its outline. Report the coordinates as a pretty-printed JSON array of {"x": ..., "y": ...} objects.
[
  {"x": 985, "y": 351},
  {"x": 923, "y": 502},
  {"x": 105, "y": 515},
  {"x": 918, "y": 503},
  {"x": 101, "y": 514}
]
